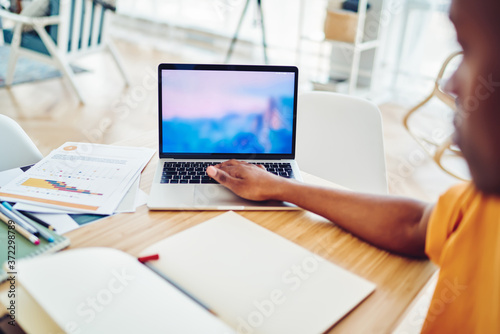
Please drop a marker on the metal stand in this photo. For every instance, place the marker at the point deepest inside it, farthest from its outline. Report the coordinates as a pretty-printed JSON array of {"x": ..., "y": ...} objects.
[{"x": 235, "y": 37}]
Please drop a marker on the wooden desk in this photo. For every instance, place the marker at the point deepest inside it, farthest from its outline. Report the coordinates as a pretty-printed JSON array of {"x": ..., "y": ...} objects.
[{"x": 398, "y": 279}]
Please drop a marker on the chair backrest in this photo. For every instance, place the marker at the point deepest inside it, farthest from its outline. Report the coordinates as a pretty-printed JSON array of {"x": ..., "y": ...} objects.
[
  {"x": 81, "y": 28},
  {"x": 339, "y": 138},
  {"x": 83, "y": 24},
  {"x": 16, "y": 148}
]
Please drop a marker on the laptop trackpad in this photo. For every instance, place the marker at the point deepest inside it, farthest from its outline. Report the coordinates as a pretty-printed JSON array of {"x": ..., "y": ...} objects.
[
  {"x": 212, "y": 194},
  {"x": 176, "y": 195}
]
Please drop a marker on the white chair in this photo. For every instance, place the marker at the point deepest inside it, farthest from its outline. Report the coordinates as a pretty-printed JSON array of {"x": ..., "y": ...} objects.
[
  {"x": 16, "y": 148},
  {"x": 73, "y": 29},
  {"x": 339, "y": 138}
]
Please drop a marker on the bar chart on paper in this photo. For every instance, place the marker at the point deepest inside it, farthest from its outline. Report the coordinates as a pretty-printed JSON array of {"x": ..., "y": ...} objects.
[
  {"x": 56, "y": 185},
  {"x": 84, "y": 181},
  {"x": 80, "y": 177},
  {"x": 83, "y": 176}
]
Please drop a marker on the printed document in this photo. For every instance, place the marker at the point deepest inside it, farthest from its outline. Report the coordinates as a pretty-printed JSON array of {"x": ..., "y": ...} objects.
[{"x": 80, "y": 177}]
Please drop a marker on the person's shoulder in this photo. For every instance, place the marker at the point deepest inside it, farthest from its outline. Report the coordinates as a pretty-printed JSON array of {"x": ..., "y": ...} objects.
[
  {"x": 453, "y": 204},
  {"x": 465, "y": 193},
  {"x": 465, "y": 199},
  {"x": 460, "y": 192},
  {"x": 446, "y": 216}
]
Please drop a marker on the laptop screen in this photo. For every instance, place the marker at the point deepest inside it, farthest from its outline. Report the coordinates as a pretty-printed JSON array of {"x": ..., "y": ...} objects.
[{"x": 227, "y": 111}]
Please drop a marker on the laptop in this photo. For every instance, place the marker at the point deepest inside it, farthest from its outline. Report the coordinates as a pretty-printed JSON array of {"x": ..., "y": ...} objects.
[{"x": 211, "y": 113}]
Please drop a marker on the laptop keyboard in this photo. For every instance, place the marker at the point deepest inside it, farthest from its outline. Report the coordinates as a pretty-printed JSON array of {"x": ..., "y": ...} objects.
[{"x": 195, "y": 172}]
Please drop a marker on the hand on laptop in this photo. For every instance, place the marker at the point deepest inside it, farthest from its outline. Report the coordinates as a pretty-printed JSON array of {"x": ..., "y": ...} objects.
[{"x": 247, "y": 180}]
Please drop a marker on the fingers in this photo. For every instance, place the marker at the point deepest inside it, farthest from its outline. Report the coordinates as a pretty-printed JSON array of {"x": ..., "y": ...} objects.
[
  {"x": 233, "y": 169},
  {"x": 234, "y": 163},
  {"x": 213, "y": 172},
  {"x": 222, "y": 177},
  {"x": 231, "y": 162},
  {"x": 246, "y": 180}
]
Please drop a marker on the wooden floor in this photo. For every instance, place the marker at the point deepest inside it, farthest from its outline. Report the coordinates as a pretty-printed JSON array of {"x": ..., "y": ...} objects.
[{"x": 50, "y": 114}]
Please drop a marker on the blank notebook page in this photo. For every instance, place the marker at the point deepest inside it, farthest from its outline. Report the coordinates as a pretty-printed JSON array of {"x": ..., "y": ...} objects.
[
  {"x": 257, "y": 281},
  {"x": 102, "y": 290}
]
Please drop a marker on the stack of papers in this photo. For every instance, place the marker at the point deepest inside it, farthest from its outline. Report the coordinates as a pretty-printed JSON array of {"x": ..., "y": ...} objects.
[{"x": 80, "y": 178}]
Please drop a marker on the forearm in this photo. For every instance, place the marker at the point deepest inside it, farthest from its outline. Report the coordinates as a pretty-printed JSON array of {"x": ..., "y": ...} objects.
[
  {"x": 389, "y": 222},
  {"x": 393, "y": 223}
]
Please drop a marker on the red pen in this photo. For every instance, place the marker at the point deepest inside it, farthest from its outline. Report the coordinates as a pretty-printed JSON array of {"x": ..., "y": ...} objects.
[{"x": 145, "y": 259}]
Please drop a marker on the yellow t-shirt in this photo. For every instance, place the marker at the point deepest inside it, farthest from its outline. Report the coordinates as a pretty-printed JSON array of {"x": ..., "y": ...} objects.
[{"x": 463, "y": 238}]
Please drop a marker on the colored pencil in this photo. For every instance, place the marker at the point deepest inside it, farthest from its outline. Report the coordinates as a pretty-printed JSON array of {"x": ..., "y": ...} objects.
[
  {"x": 19, "y": 221},
  {"x": 34, "y": 240},
  {"x": 38, "y": 231},
  {"x": 38, "y": 220}
]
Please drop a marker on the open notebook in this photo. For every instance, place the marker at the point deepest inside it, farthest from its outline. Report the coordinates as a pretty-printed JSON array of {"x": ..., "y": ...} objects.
[
  {"x": 254, "y": 280},
  {"x": 24, "y": 248}
]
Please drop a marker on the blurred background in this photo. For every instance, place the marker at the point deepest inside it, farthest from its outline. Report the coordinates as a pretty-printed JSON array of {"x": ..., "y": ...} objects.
[{"x": 392, "y": 58}]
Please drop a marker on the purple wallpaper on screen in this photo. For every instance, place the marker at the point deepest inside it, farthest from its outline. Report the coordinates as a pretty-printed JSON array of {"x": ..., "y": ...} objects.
[{"x": 227, "y": 112}]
